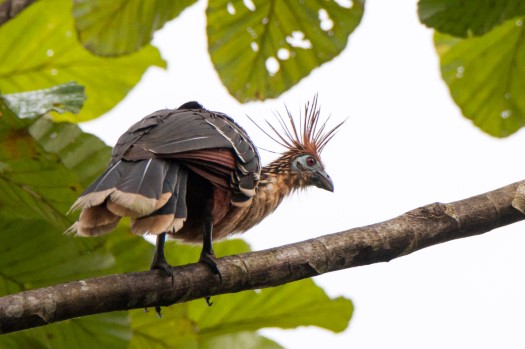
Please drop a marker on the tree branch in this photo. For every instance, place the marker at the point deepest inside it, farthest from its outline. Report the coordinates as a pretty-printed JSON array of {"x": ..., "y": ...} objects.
[{"x": 425, "y": 226}]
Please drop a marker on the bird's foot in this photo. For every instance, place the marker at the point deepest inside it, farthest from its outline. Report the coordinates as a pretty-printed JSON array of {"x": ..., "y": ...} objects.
[
  {"x": 211, "y": 261},
  {"x": 166, "y": 269}
]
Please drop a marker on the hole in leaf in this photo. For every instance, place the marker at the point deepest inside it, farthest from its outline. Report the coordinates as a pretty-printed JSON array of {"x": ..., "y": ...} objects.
[
  {"x": 326, "y": 23},
  {"x": 297, "y": 40},
  {"x": 249, "y": 5},
  {"x": 272, "y": 65},
  {"x": 283, "y": 54},
  {"x": 230, "y": 8},
  {"x": 345, "y": 3}
]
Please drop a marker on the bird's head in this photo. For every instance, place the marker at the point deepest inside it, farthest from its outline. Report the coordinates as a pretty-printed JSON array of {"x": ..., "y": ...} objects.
[
  {"x": 304, "y": 142},
  {"x": 310, "y": 171}
]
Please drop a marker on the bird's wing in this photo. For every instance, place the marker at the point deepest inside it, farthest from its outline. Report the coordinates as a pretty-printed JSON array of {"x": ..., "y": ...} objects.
[{"x": 198, "y": 137}]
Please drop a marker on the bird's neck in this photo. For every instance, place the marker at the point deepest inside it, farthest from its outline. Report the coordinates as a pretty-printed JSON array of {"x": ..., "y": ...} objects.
[{"x": 277, "y": 182}]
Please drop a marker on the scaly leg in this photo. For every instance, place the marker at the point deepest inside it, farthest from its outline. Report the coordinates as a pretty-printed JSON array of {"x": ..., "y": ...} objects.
[
  {"x": 159, "y": 260},
  {"x": 159, "y": 263},
  {"x": 207, "y": 254}
]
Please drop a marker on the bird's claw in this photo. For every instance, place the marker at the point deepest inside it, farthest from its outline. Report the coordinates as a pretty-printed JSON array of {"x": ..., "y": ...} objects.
[
  {"x": 164, "y": 267},
  {"x": 211, "y": 261},
  {"x": 167, "y": 270}
]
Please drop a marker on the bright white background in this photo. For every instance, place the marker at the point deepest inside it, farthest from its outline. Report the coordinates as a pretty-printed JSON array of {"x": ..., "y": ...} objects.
[{"x": 404, "y": 145}]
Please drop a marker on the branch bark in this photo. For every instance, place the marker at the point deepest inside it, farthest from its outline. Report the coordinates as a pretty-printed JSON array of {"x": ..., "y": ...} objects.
[{"x": 381, "y": 242}]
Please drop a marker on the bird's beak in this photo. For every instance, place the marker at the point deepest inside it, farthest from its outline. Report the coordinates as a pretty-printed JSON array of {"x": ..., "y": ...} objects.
[{"x": 322, "y": 180}]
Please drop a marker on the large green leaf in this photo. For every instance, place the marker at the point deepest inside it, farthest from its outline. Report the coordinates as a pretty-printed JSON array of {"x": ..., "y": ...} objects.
[
  {"x": 485, "y": 76},
  {"x": 262, "y": 51},
  {"x": 33, "y": 183},
  {"x": 81, "y": 153},
  {"x": 117, "y": 27},
  {"x": 40, "y": 169},
  {"x": 39, "y": 49},
  {"x": 464, "y": 17},
  {"x": 241, "y": 340},
  {"x": 36, "y": 189},
  {"x": 44, "y": 166},
  {"x": 35, "y": 254},
  {"x": 132, "y": 252},
  {"x": 109, "y": 330}
]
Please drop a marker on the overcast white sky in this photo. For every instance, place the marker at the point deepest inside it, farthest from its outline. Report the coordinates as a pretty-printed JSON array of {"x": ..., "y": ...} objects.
[{"x": 405, "y": 145}]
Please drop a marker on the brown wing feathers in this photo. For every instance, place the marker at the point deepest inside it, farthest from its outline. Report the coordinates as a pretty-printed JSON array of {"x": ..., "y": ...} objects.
[{"x": 148, "y": 173}]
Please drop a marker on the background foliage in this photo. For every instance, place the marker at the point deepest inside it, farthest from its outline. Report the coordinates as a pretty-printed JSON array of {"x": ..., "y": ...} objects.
[{"x": 260, "y": 49}]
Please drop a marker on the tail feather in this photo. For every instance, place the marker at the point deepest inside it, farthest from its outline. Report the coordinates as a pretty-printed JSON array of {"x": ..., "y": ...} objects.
[
  {"x": 154, "y": 224},
  {"x": 144, "y": 178},
  {"x": 173, "y": 213},
  {"x": 101, "y": 188},
  {"x": 134, "y": 205},
  {"x": 181, "y": 210},
  {"x": 94, "y": 221},
  {"x": 139, "y": 190},
  {"x": 152, "y": 192}
]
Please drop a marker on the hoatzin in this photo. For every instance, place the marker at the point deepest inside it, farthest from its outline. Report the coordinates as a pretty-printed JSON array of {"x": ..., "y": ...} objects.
[{"x": 194, "y": 175}]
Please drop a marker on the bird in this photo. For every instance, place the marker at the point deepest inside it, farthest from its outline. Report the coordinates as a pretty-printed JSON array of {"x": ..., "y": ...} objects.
[{"x": 195, "y": 175}]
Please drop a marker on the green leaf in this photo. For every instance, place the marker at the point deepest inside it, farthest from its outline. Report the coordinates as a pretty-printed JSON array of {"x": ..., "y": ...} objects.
[
  {"x": 188, "y": 325},
  {"x": 33, "y": 183},
  {"x": 40, "y": 163},
  {"x": 117, "y": 27},
  {"x": 300, "y": 303},
  {"x": 261, "y": 52},
  {"x": 132, "y": 252},
  {"x": 39, "y": 49},
  {"x": 61, "y": 98},
  {"x": 466, "y": 17},
  {"x": 485, "y": 76},
  {"x": 36, "y": 254},
  {"x": 44, "y": 167},
  {"x": 81, "y": 153},
  {"x": 242, "y": 340},
  {"x": 36, "y": 189},
  {"x": 109, "y": 330}
]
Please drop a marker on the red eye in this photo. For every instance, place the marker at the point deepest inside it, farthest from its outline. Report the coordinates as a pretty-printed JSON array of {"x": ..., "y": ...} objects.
[{"x": 310, "y": 161}]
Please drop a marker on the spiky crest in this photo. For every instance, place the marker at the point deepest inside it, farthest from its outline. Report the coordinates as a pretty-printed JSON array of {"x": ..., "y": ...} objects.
[{"x": 306, "y": 136}]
